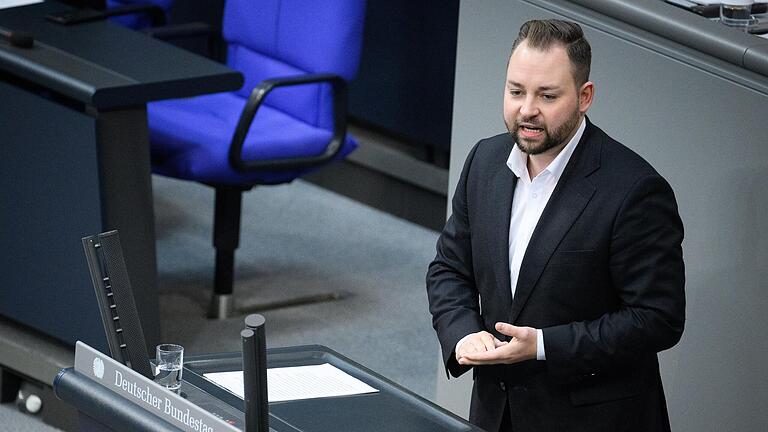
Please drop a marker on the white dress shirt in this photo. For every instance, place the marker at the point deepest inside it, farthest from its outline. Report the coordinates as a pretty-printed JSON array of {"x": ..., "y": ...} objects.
[{"x": 531, "y": 196}]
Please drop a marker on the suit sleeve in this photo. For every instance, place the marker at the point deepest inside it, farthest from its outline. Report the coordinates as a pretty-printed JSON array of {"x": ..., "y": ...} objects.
[
  {"x": 451, "y": 291},
  {"x": 647, "y": 272}
]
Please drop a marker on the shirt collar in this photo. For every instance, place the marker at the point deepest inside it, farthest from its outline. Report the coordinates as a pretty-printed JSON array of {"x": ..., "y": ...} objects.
[{"x": 517, "y": 161}]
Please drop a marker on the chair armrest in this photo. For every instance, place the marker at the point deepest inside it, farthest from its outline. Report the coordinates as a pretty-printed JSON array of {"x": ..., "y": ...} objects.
[
  {"x": 156, "y": 14},
  {"x": 339, "y": 89}
]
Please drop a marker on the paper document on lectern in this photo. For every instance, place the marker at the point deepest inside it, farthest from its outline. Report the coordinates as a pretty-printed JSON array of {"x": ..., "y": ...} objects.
[
  {"x": 5, "y": 4},
  {"x": 298, "y": 382}
]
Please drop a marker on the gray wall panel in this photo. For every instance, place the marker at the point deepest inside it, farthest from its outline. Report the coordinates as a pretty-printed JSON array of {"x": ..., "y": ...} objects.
[{"x": 699, "y": 122}]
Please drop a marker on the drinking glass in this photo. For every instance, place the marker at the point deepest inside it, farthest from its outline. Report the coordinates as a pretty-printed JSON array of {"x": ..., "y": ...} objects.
[{"x": 170, "y": 360}]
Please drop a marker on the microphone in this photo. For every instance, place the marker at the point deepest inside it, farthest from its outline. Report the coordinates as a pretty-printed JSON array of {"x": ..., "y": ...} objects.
[
  {"x": 18, "y": 39},
  {"x": 255, "y": 374}
]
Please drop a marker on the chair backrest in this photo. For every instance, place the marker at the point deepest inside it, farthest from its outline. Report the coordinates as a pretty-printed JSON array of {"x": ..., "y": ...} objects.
[
  {"x": 137, "y": 21},
  {"x": 278, "y": 38}
]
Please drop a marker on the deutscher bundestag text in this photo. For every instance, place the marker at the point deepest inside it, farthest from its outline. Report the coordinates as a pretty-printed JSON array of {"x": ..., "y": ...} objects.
[{"x": 164, "y": 404}]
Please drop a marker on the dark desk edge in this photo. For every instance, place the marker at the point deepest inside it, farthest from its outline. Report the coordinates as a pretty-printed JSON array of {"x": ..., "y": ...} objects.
[
  {"x": 105, "y": 407},
  {"x": 117, "y": 91},
  {"x": 193, "y": 86}
]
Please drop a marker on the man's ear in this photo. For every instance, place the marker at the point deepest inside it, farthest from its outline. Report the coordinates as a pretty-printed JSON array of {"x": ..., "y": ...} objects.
[{"x": 586, "y": 95}]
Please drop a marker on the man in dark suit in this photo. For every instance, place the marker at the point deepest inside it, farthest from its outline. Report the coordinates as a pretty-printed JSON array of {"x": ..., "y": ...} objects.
[{"x": 559, "y": 275}]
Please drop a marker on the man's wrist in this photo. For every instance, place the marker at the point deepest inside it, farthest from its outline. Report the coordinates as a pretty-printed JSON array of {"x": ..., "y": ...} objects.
[{"x": 458, "y": 345}]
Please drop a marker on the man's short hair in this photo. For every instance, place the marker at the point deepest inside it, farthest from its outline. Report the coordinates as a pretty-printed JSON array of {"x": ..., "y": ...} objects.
[{"x": 543, "y": 34}]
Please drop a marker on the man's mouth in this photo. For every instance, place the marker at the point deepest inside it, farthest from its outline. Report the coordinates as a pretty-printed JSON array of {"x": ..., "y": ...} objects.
[{"x": 530, "y": 131}]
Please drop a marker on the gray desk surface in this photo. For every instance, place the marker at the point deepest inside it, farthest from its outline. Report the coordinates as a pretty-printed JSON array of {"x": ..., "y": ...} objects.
[{"x": 656, "y": 16}]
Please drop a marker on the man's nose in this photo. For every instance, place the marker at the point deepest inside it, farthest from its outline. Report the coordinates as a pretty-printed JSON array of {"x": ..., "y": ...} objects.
[{"x": 529, "y": 108}]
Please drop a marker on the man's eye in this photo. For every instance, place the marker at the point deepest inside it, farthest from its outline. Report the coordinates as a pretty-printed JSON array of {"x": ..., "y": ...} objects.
[
  {"x": 549, "y": 97},
  {"x": 515, "y": 92}
]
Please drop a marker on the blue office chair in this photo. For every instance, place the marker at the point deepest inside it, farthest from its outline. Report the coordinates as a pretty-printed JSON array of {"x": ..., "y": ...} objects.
[
  {"x": 139, "y": 14},
  {"x": 287, "y": 120}
]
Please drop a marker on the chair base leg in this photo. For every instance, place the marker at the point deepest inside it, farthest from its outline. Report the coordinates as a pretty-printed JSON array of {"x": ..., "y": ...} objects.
[
  {"x": 221, "y": 307},
  {"x": 226, "y": 237},
  {"x": 321, "y": 297}
]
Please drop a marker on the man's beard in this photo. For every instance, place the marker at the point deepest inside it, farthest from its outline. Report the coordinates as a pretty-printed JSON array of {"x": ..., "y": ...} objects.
[{"x": 551, "y": 139}]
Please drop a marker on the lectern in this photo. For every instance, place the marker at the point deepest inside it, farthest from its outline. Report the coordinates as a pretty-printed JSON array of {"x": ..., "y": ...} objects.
[
  {"x": 139, "y": 406},
  {"x": 113, "y": 396}
]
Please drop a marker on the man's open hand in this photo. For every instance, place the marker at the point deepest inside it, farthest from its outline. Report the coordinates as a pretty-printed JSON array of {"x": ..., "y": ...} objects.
[
  {"x": 485, "y": 349},
  {"x": 477, "y": 342}
]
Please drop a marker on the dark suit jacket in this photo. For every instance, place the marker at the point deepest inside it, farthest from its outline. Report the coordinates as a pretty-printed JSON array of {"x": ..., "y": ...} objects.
[{"x": 602, "y": 276}]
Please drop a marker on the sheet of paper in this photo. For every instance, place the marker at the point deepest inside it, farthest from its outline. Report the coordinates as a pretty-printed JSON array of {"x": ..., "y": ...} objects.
[
  {"x": 300, "y": 382},
  {"x": 5, "y": 4}
]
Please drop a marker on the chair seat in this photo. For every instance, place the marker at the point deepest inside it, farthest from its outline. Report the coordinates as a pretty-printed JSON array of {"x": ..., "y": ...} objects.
[{"x": 181, "y": 149}]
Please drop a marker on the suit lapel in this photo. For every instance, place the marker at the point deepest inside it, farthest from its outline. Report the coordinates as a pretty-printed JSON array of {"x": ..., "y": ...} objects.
[
  {"x": 567, "y": 202},
  {"x": 502, "y": 189}
]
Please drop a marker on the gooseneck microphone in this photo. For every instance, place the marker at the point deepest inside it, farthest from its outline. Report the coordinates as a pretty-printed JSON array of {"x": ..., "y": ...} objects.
[{"x": 18, "y": 39}]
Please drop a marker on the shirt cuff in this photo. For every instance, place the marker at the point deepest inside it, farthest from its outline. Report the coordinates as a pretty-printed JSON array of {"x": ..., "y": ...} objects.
[{"x": 540, "y": 355}]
